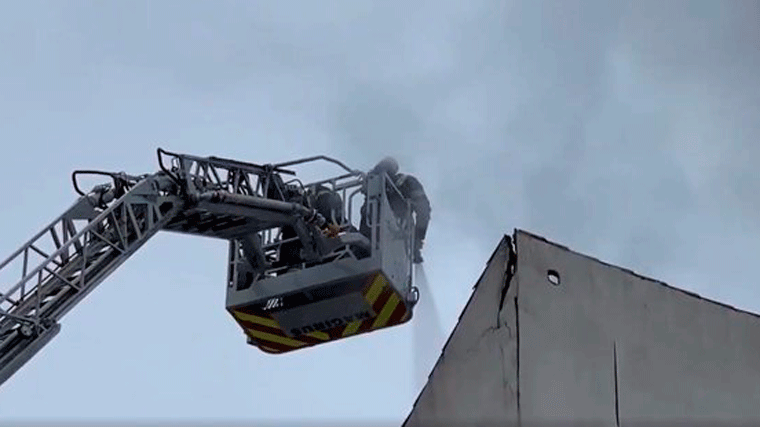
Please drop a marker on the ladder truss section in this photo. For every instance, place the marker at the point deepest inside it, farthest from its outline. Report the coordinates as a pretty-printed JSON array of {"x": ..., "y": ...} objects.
[
  {"x": 65, "y": 261},
  {"x": 202, "y": 174},
  {"x": 205, "y": 181}
]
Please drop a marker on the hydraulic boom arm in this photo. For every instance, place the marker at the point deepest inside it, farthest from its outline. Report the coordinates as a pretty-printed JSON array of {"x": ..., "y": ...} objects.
[{"x": 58, "y": 267}]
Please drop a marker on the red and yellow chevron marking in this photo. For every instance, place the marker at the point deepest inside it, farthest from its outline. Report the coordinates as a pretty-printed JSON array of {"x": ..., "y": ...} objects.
[{"x": 267, "y": 334}]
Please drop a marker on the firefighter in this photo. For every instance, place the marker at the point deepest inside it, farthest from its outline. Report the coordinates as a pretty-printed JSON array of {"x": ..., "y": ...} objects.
[
  {"x": 330, "y": 205},
  {"x": 412, "y": 190},
  {"x": 290, "y": 252}
]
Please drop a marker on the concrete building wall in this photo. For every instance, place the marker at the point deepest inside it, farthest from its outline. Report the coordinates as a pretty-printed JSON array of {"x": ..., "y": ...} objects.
[
  {"x": 474, "y": 381},
  {"x": 566, "y": 352},
  {"x": 603, "y": 347},
  {"x": 675, "y": 355}
]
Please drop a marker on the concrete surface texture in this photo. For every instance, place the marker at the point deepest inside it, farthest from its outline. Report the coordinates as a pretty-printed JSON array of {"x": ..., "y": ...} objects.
[{"x": 593, "y": 344}]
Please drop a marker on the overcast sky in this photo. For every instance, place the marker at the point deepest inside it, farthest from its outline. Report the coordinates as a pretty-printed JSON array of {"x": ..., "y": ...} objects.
[{"x": 624, "y": 130}]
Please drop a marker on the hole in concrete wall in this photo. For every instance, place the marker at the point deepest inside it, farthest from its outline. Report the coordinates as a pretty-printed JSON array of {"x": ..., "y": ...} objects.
[{"x": 553, "y": 277}]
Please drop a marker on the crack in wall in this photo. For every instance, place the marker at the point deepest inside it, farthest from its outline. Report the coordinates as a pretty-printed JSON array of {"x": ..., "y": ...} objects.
[
  {"x": 510, "y": 332},
  {"x": 617, "y": 395},
  {"x": 504, "y": 378},
  {"x": 476, "y": 344},
  {"x": 509, "y": 274},
  {"x": 517, "y": 363}
]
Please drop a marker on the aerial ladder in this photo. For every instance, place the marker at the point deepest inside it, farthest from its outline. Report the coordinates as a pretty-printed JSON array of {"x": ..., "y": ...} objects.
[{"x": 300, "y": 272}]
